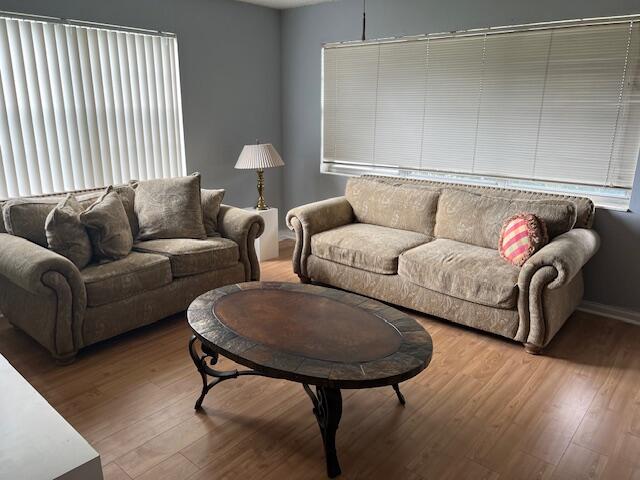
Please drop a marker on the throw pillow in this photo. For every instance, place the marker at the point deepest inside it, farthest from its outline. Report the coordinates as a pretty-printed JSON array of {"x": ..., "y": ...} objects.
[
  {"x": 65, "y": 233},
  {"x": 211, "y": 201},
  {"x": 169, "y": 208},
  {"x": 522, "y": 235},
  {"x": 127, "y": 195},
  {"x": 108, "y": 227}
]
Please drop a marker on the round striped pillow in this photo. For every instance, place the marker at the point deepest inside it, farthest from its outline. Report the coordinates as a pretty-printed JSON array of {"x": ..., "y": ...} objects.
[{"x": 521, "y": 236}]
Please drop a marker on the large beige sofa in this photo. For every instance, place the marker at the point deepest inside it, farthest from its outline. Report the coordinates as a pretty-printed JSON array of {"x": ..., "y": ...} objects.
[
  {"x": 66, "y": 309},
  {"x": 432, "y": 247}
]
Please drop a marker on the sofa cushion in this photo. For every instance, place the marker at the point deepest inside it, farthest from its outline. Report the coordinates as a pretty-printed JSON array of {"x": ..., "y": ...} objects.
[
  {"x": 65, "y": 233},
  {"x": 406, "y": 207},
  {"x": 477, "y": 219},
  {"x": 2, "y": 228},
  {"x": 522, "y": 235},
  {"x": 190, "y": 256},
  {"x": 211, "y": 201},
  {"x": 108, "y": 227},
  {"x": 463, "y": 271},
  {"x": 25, "y": 217},
  {"x": 169, "y": 208},
  {"x": 127, "y": 195},
  {"x": 368, "y": 247},
  {"x": 134, "y": 274}
]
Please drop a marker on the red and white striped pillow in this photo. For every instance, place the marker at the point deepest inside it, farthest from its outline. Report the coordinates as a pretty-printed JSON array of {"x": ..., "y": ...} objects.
[{"x": 522, "y": 235}]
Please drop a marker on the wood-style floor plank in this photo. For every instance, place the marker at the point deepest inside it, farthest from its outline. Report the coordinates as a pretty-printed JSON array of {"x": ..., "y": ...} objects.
[
  {"x": 176, "y": 466},
  {"x": 112, "y": 471},
  {"x": 484, "y": 409}
]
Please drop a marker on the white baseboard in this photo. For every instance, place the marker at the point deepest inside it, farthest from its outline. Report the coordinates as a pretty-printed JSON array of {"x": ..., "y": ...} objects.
[
  {"x": 619, "y": 313},
  {"x": 286, "y": 234}
]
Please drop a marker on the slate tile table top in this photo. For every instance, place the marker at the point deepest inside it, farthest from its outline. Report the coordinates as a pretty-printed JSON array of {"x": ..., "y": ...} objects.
[{"x": 308, "y": 334}]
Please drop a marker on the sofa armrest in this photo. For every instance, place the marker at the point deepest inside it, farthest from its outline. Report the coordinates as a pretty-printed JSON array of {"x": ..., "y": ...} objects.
[
  {"x": 307, "y": 220},
  {"x": 243, "y": 227},
  {"x": 24, "y": 263},
  {"x": 567, "y": 254},
  {"x": 38, "y": 272},
  {"x": 551, "y": 285}
]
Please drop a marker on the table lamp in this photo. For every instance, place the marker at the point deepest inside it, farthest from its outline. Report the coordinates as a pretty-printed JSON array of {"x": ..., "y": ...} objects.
[{"x": 258, "y": 157}]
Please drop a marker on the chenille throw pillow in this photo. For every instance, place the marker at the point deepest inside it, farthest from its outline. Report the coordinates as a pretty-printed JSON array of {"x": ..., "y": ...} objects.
[
  {"x": 522, "y": 235},
  {"x": 211, "y": 201},
  {"x": 108, "y": 227},
  {"x": 65, "y": 233},
  {"x": 169, "y": 208}
]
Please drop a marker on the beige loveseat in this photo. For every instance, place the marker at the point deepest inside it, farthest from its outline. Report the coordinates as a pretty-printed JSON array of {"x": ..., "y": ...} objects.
[
  {"x": 66, "y": 309},
  {"x": 432, "y": 247}
]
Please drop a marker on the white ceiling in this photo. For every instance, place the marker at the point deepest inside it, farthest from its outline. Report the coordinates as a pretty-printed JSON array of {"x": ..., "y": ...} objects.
[{"x": 284, "y": 3}]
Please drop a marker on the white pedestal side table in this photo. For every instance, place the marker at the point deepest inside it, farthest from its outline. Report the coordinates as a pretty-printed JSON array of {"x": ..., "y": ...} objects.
[{"x": 267, "y": 245}]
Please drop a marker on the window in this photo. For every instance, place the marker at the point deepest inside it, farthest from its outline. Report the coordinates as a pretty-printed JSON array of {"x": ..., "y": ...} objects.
[
  {"x": 84, "y": 107},
  {"x": 548, "y": 107}
]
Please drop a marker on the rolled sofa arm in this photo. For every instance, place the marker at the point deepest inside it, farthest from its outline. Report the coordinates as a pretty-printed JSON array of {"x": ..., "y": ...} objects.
[
  {"x": 243, "y": 227},
  {"x": 551, "y": 285},
  {"x": 317, "y": 217},
  {"x": 567, "y": 254},
  {"x": 32, "y": 272}
]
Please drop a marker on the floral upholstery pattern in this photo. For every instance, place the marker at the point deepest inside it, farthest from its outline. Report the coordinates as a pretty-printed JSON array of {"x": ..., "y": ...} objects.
[
  {"x": 459, "y": 275},
  {"x": 368, "y": 247},
  {"x": 404, "y": 207}
]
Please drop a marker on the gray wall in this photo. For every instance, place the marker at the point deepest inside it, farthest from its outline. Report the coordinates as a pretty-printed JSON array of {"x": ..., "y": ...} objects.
[
  {"x": 612, "y": 278},
  {"x": 236, "y": 59},
  {"x": 230, "y": 76}
]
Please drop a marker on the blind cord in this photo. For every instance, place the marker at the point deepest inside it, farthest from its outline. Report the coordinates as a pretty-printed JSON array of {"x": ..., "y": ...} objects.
[
  {"x": 620, "y": 99},
  {"x": 364, "y": 19}
]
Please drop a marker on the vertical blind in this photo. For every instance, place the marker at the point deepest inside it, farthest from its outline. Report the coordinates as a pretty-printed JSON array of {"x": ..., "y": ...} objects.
[
  {"x": 84, "y": 107},
  {"x": 558, "y": 104}
]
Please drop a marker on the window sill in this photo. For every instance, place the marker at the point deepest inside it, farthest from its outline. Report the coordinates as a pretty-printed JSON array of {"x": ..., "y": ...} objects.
[{"x": 608, "y": 198}]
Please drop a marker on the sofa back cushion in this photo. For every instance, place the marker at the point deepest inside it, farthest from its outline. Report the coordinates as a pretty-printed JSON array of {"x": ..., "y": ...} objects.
[
  {"x": 25, "y": 217},
  {"x": 585, "y": 209},
  {"x": 2, "y": 228},
  {"x": 477, "y": 219},
  {"x": 28, "y": 215},
  {"x": 405, "y": 207}
]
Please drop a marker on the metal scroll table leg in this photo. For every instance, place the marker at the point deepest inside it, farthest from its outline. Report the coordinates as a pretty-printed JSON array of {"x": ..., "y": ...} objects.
[
  {"x": 206, "y": 370},
  {"x": 201, "y": 365},
  {"x": 401, "y": 399},
  {"x": 327, "y": 407}
]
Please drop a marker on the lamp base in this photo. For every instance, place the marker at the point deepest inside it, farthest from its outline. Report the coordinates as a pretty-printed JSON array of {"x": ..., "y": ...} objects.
[{"x": 262, "y": 205}]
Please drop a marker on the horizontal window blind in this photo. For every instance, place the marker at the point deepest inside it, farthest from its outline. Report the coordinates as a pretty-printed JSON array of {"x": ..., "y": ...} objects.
[
  {"x": 84, "y": 107},
  {"x": 555, "y": 107}
]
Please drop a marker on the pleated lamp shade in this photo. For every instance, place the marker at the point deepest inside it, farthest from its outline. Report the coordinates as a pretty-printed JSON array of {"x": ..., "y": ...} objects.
[{"x": 259, "y": 157}]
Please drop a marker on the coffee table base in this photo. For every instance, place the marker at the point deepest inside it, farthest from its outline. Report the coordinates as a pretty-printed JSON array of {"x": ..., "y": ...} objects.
[
  {"x": 327, "y": 407},
  {"x": 206, "y": 369},
  {"x": 327, "y": 402}
]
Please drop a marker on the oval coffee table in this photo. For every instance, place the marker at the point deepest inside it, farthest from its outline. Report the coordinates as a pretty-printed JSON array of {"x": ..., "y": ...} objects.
[{"x": 311, "y": 335}]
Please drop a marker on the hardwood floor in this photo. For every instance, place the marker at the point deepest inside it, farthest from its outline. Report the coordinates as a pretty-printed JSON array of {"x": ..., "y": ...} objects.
[{"x": 483, "y": 408}]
